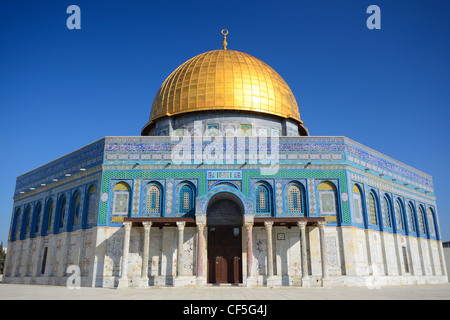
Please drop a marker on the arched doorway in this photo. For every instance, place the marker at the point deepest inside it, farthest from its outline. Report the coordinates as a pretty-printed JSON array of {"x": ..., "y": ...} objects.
[{"x": 224, "y": 220}]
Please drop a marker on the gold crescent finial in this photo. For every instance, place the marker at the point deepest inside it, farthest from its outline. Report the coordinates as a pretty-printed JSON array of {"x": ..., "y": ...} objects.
[{"x": 224, "y": 43}]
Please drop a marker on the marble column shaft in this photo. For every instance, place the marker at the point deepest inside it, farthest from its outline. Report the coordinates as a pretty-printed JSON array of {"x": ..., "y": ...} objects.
[
  {"x": 268, "y": 226},
  {"x": 201, "y": 244},
  {"x": 302, "y": 226},
  {"x": 249, "y": 227},
  {"x": 123, "y": 281},
  {"x": 147, "y": 225},
  {"x": 180, "y": 225},
  {"x": 323, "y": 251}
]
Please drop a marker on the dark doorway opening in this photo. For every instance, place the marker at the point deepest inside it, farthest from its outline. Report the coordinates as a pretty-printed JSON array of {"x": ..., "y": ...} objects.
[{"x": 224, "y": 219}]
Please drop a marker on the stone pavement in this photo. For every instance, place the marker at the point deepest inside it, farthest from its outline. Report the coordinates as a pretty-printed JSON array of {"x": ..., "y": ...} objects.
[{"x": 37, "y": 292}]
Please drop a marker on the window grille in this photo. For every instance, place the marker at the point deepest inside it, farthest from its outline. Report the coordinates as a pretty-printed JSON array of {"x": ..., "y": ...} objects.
[
  {"x": 421, "y": 221},
  {"x": 412, "y": 225},
  {"x": 186, "y": 199},
  {"x": 431, "y": 222},
  {"x": 373, "y": 209},
  {"x": 387, "y": 212},
  {"x": 399, "y": 215},
  {"x": 357, "y": 203},
  {"x": 295, "y": 200},
  {"x": 153, "y": 199},
  {"x": 262, "y": 200}
]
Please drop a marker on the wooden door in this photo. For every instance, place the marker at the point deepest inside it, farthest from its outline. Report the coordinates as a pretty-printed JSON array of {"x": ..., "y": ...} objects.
[
  {"x": 224, "y": 254},
  {"x": 221, "y": 270}
]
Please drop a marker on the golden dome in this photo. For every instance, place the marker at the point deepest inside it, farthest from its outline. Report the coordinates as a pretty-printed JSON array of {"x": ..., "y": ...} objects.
[{"x": 225, "y": 80}]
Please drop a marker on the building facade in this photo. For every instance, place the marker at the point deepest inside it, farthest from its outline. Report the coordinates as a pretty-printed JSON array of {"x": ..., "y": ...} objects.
[{"x": 225, "y": 185}]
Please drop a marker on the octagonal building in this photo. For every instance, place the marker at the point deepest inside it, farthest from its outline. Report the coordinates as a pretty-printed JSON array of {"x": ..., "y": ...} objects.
[{"x": 225, "y": 185}]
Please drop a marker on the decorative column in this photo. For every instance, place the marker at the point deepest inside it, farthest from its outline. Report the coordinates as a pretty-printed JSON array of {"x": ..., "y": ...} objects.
[
  {"x": 201, "y": 279},
  {"x": 178, "y": 281},
  {"x": 251, "y": 280},
  {"x": 323, "y": 254},
  {"x": 123, "y": 281},
  {"x": 270, "y": 280},
  {"x": 305, "y": 277},
  {"x": 143, "y": 282}
]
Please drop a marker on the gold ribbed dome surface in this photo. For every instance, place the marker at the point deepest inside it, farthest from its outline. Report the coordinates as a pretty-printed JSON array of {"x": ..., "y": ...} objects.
[{"x": 224, "y": 80}]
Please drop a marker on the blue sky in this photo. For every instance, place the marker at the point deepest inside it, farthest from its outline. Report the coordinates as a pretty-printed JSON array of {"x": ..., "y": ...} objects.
[{"x": 61, "y": 89}]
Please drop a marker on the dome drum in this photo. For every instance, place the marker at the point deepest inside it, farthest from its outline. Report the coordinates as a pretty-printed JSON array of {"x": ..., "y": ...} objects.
[{"x": 230, "y": 123}]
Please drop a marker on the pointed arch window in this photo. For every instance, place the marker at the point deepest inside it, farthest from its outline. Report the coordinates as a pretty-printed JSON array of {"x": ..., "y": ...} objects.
[
  {"x": 373, "y": 205},
  {"x": 399, "y": 215},
  {"x": 295, "y": 199},
  {"x": 38, "y": 216},
  {"x": 76, "y": 206},
  {"x": 91, "y": 205},
  {"x": 186, "y": 200},
  {"x": 387, "y": 212},
  {"x": 49, "y": 214},
  {"x": 327, "y": 198},
  {"x": 357, "y": 203},
  {"x": 121, "y": 199},
  {"x": 431, "y": 224},
  {"x": 411, "y": 220},
  {"x": 153, "y": 200},
  {"x": 263, "y": 204},
  {"x": 422, "y": 227},
  {"x": 61, "y": 213}
]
